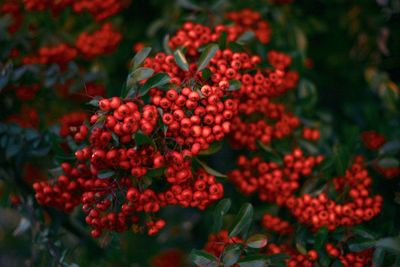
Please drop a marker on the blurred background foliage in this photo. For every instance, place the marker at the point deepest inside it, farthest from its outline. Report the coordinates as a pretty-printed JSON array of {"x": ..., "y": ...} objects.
[{"x": 346, "y": 51}]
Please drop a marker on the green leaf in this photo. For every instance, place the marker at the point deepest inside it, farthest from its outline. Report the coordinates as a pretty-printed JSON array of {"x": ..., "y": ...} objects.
[
  {"x": 203, "y": 258},
  {"x": 157, "y": 80},
  {"x": 300, "y": 248},
  {"x": 242, "y": 220},
  {"x": 278, "y": 259},
  {"x": 221, "y": 209},
  {"x": 93, "y": 102},
  {"x": 234, "y": 85},
  {"x": 321, "y": 237},
  {"x": 166, "y": 47},
  {"x": 337, "y": 263},
  {"x": 388, "y": 163},
  {"x": 105, "y": 174},
  {"x": 138, "y": 75},
  {"x": 253, "y": 261},
  {"x": 206, "y": 74},
  {"x": 378, "y": 257},
  {"x": 181, "y": 60},
  {"x": 231, "y": 254},
  {"x": 246, "y": 37},
  {"x": 206, "y": 56},
  {"x": 257, "y": 241},
  {"x": 140, "y": 57},
  {"x": 142, "y": 139},
  {"x": 210, "y": 170},
  {"x": 390, "y": 148},
  {"x": 214, "y": 148}
]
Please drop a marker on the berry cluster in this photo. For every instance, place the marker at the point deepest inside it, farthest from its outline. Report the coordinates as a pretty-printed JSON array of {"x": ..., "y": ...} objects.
[
  {"x": 249, "y": 20},
  {"x": 200, "y": 114},
  {"x": 274, "y": 182},
  {"x": 193, "y": 35},
  {"x": 13, "y": 8},
  {"x": 101, "y": 42},
  {"x": 276, "y": 224},
  {"x": 100, "y": 9},
  {"x": 373, "y": 140},
  {"x": 27, "y": 117},
  {"x": 311, "y": 134},
  {"x": 60, "y": 54},
  {"x": 359, "y": 259},
  {"x": 321, "y": 211},
  {"x": 115, "y": 202},
  {"x": 216, "y": 243},
  {"x": 41, "y": 5},
  {"x": 26, "y": 93}
]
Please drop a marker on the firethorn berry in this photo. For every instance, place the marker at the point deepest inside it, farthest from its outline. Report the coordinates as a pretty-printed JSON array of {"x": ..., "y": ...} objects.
[
  {"x": 216, "y": 243},
  {"x": 373, "y": 140},
  {"x": 249, "y": 20},
  {"x": 28, "y": 117},
  {"x": 108, "y": 175},
  {"x": 276, "y": 224},
  {"x": 272, "y": 181},
  {"x": 72, "y": 124},
  {"x": 362, "y": 258},
  {"x": 41, "y": 5},
  {"x": 359, "y": 205},
  {"x": 311, "y": 134},
  {"x": 60, "y": 54},
  {"x": 26, "y": 93},
  {"x": 12, "y": 8},
  {"x": 101, "y": 42},
  {"x": 100, "y": 9}
]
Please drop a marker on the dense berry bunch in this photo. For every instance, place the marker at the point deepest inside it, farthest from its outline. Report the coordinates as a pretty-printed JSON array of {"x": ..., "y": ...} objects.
[
  {"x": 100, "y": 9},
  {"x": 373, "y": 140},
  {"x": 12, "y": 8},
  {"x": 358, "y": 206},
  {"x": 193, "y": 35},
  {"x": 26, "y": 93},
  {"x": 60, "y": 54},
  {"x": 199, "y": 112},
  {"x": 41, "y": 5},
  {"x": 356, "y": 259},
  {"x": 276, "y": 224},
  {"x": 249, "y": 20},
  {"x": 101, "y": 42},
  {"x": 72, "y": 123},
  {"x": 217, "y": 242},
  {"x": 274, "y": 182}
]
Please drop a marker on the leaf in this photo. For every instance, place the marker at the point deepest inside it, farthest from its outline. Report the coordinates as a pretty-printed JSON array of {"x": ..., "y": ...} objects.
[
  {"x": 105, "y": 174},
  {"x": 388, "y": 163},
  {"x": 363, "y": 232},
  {"x": 242, "y": 220},
  {"x": 234, "y": 85},
  {"x": 210, "y": 170},
  {"x": 389, "y": 243},
  {"x": 231, "y": 254},
  {"x": 337, "y": 263},
  {"x": 206, "y": 74},
  {"x": 257, "y": 241},
  {"x": 140, "y": 57},
  {"x": 278, "y": 259},
  {"x": 390, "y": 147},
  {"x": 93, "y": 102},
  {"x": 181, "y": 60},
  {"x": 138, "y": 75},
  {"x": 221, "y": 209},
  {"x": 378, "y": 257},
  {"x": 142, "y": 139},
  {"x": 214, "y": 148},
  {"x": 203, "y": 258},
  {"x": 321, "y": 237},
  {"x": 246, "y": 37},
  {"x": 157, "y": 80},
  {"x": 206, "y": 56},
  {"x": 300, "y": 248},
  {"x": 166, "y": 47},
  {"x": 252, "y": 261},
  {"x": 23, "y": 225}
]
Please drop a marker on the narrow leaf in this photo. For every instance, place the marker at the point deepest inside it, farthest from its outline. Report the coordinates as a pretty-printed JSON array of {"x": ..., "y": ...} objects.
[
  {"x": 221, "y": 209},
  {"x": 181, "y": 60},
  {"x": 246, "y": 37},
  {"x": 206, "y": 56},
  {"x": 242, "y": 219},
  {"x": 257, "y": 241},
  {"x": 214, "y": 148},
  {"x": 105, "y": 174},
  {"x": 140, "y": 57},
  {"x": 234, "y": 85},
  {"x": 388, "y": 163},
  {"x": 210, "y": 170},
  {"x": 231, "y": 254},
  {"x": 203, "y": 258},
  {"x": 157, "y": 80}
]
